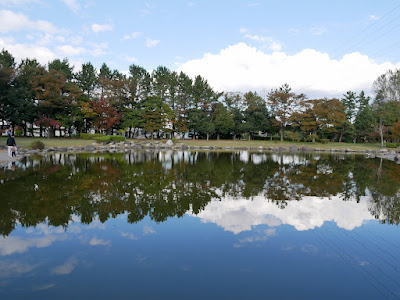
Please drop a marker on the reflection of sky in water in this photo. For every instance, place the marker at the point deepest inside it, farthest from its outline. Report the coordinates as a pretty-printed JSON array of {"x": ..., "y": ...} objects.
[{"x": 234, "y": 248}]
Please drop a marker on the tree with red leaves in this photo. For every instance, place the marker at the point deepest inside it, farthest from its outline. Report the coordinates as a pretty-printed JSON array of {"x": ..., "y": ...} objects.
[{"x": 106, "y": 115}]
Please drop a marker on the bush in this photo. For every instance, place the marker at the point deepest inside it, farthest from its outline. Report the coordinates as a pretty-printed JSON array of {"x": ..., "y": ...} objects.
[
  {"x": 109, "y": 138},
  {"x": 324, "y": 141},
  {"x": 37, "y": 145},
  {"x": 18, "y": 132},
  {"x": 392, "y": 145}
]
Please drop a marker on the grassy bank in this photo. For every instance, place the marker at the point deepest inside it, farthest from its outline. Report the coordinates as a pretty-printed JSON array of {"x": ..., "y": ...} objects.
[
  {"x": 231, "y": 143},
  {"x": 24, "y": 142}
]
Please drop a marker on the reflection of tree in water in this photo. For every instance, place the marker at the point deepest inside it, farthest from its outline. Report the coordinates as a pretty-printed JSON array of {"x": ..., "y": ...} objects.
[
  {"x": 385, "y": 193},
  {"x": 168, "y": 184}
]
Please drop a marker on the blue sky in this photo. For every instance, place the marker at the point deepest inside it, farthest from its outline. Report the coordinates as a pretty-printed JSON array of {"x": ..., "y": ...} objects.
[{"x": 322, "y": 48}]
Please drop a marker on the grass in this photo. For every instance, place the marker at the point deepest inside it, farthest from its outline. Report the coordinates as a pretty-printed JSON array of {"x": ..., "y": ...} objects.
[
  {"x": 24, "y": 142},
  {"x": 264, "y": 143}
]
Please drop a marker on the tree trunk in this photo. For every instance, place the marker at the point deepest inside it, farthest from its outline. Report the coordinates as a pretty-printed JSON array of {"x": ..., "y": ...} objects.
[
  {"x": 208, "y": 135},
  {"x": 218, "y": 136},
  {"x": 282, "y": 132},
  {"x": 340, "y": 137},
  {"x": 234, "y": 136}
]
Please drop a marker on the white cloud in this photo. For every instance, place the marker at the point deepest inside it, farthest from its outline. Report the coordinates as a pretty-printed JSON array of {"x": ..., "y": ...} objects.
[
  {"x": 73, "y": 5},
  {"x": 243, "y": 30},
  {"x": 240, "y": 215},
  {"x": 65, "y": 268},
  {"x": 68, "y": 50},
  {"x": 22, "y": 51},
  {"x": 151, "y": 43},
  {"x": 241, "y": 68},
  {"x": 266, "y": 40},
  {"x": 130, "y": 58},
  {"x": 10, "y": 21},
  {"x": 133, "y": 35},
  {"x": 99, "y": 242},
  {"x": 101, "y": 27}
]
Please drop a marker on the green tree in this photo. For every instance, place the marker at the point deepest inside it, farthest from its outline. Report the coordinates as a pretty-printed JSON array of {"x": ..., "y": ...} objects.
[
  {"x": 222, "y": 119},
  {"x": 156, "y": 114},
  {"x": 284, "y": 103},
  {"x": 364, "y": 123},
  {"x": 87, "y": 79},
  {"x": 256, "y": 116}
]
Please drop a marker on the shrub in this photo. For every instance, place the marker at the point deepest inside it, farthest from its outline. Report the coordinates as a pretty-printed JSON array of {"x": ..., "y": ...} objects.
[
  {"x": 392, "y": 145},
  {"x": 324, "y": 141},
  {"x": 18, "y": 132},
  {"x": 37, "y": 145}
]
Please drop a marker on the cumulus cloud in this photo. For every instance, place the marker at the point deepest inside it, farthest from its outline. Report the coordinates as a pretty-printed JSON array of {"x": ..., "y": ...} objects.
[
  {"x": 10, "y": 21},
  {"x": 101, "y": 27},
  {"x": 151, "y": 43},
  {"x": 241, "y": 67}
]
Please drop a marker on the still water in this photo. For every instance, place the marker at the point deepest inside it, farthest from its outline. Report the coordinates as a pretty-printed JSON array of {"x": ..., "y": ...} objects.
[{"x": 200, "y": 225}]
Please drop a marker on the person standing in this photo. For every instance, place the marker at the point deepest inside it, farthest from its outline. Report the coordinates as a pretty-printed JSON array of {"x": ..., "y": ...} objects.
[{"x": 10, "y": 143}]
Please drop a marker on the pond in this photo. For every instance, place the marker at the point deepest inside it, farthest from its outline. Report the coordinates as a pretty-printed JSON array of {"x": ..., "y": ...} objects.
[{"x": 200, "y": 225}]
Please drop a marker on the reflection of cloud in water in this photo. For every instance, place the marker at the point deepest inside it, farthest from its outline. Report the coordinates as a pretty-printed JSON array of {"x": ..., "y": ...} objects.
[
  {"x": 148, "y": 230},
  {"x": 65, "y": 268},
  {"x": 44, "y": 287},
  {"x": 240, "y": 215},
  {"x": 11, "y": 244},
  {"x": 99, "y": 242},
  {"x": 129, "y": 235},
  {"x": 14, "y": 268}
]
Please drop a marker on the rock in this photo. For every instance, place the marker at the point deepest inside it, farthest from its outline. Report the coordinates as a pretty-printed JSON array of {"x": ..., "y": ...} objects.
[
  {"x": 293, "y": 149},
  {"x": 90, "y": 148},
  {"x": 169, "y": 143}
]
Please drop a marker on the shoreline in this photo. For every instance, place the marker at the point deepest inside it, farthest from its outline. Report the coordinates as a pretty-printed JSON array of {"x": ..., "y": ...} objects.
[{"x": 156, "y": 145}]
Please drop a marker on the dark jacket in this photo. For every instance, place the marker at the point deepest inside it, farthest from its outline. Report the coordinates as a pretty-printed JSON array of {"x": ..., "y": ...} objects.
[{"x": 11, "y": 141}]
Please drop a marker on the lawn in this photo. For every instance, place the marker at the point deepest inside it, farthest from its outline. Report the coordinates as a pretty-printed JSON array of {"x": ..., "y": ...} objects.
[
  {"x": 264, "y": 143},
  {"x": 24, "y": 142}
]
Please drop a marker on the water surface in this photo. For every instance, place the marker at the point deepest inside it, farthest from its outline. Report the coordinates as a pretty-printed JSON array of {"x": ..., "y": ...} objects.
[{"x": 196, "y": 225}]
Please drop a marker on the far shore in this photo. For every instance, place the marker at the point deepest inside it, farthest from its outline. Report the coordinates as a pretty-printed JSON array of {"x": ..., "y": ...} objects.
[{"x": 24, "y": 142}]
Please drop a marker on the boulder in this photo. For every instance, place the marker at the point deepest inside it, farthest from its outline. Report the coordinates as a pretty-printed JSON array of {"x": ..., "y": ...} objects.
[{"x": 169, "y": 143}]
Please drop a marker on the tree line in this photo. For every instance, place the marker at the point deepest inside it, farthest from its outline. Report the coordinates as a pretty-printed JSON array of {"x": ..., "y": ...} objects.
[{"x": 54, "y": 97}]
